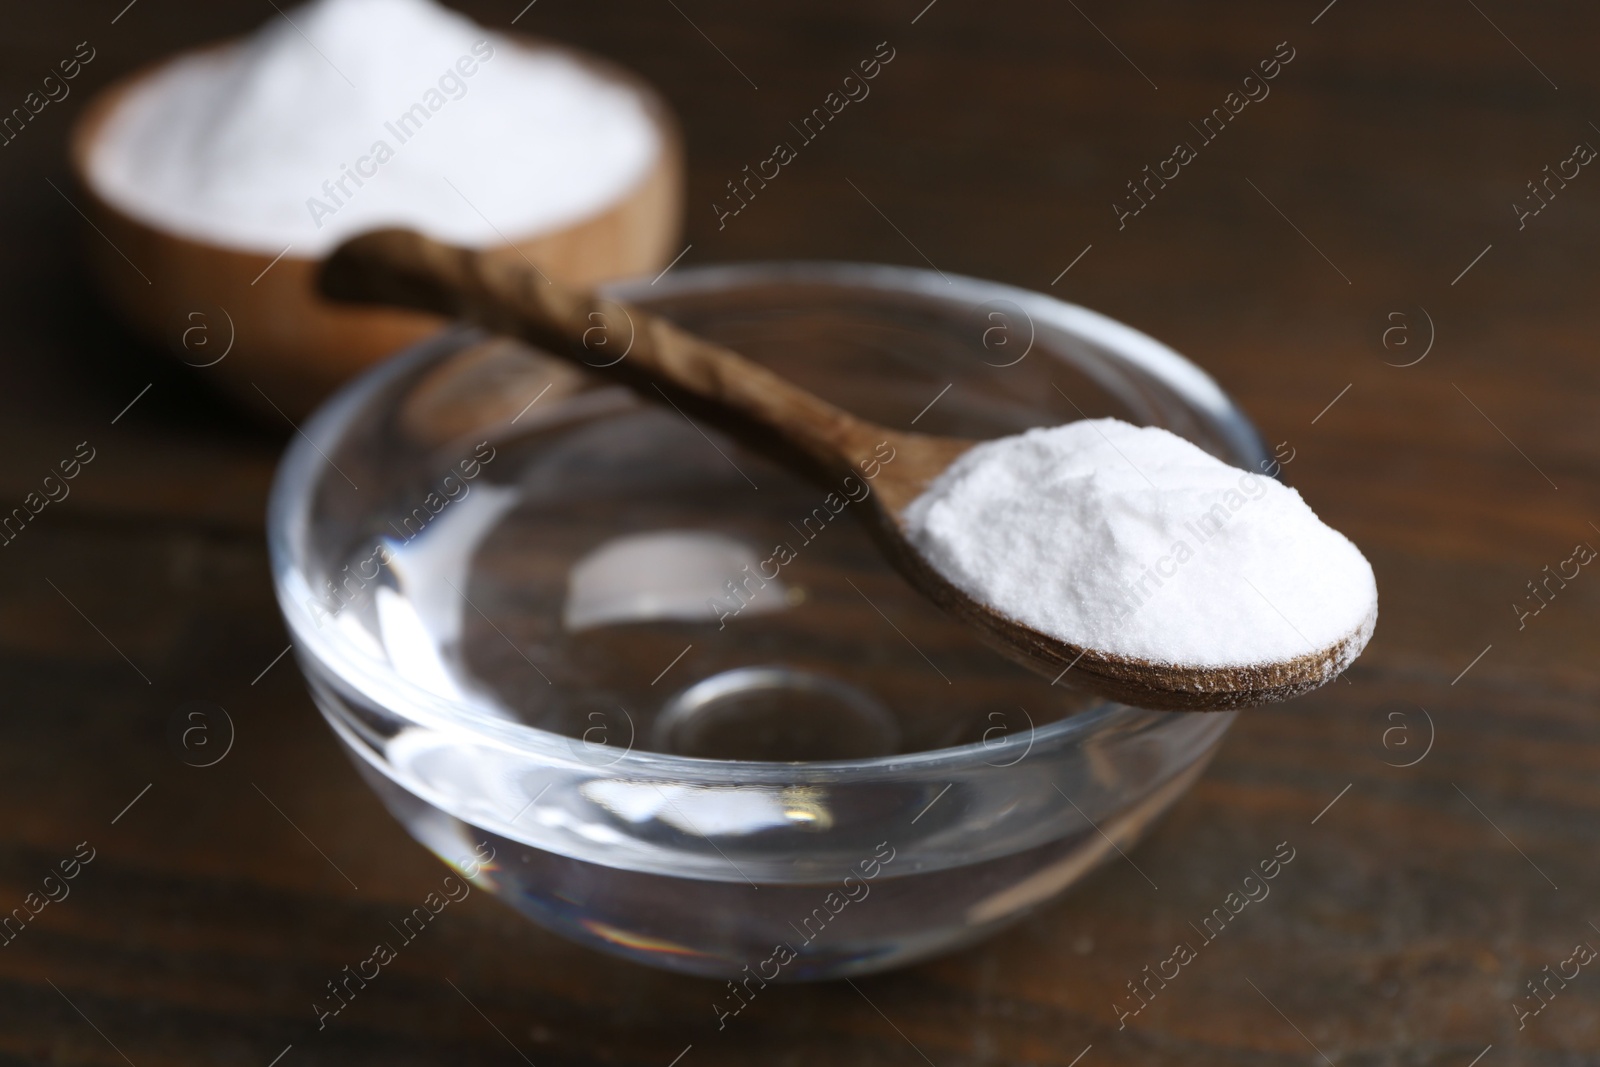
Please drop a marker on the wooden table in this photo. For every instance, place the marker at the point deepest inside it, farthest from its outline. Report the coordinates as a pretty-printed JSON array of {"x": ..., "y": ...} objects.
[{"x": 1443, "y": 800}]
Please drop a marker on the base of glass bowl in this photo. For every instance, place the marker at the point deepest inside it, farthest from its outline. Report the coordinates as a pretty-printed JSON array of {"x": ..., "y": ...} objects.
[{"x": 878, "y": 914}]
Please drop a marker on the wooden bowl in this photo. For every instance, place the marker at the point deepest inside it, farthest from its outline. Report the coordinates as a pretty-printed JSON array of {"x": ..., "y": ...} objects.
[{"x": 286, "y": 346}]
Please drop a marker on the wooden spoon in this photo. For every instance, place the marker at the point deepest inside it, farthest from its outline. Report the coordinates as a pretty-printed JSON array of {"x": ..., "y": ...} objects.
[{"x": 399, "y": 267}]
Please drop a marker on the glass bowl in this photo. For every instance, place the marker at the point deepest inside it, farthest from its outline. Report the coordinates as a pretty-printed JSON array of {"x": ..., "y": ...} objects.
[{"x": 662, "y": 695}]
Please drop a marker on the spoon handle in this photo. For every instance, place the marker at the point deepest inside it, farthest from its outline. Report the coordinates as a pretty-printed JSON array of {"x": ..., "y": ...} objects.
[{"x": 503, "y": 294}]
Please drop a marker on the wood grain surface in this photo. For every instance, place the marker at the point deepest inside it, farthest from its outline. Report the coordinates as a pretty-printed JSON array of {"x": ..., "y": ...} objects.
[{"x": 1442, "y": 801}]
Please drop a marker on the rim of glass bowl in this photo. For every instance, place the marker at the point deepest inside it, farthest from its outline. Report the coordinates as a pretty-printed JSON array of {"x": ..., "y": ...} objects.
[{"x": 304, "y": 463}]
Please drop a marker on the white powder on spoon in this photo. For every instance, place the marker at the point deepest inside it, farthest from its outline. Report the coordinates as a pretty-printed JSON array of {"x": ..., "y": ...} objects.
[
  {"x": 1134, "y": 541},
  {"x": 253, "y": 146}
]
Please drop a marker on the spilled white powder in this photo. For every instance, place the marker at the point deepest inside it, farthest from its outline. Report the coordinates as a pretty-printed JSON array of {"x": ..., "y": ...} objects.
[
  {"x": 252, "y": 146},
  {"x": 1136, "y": 542}
]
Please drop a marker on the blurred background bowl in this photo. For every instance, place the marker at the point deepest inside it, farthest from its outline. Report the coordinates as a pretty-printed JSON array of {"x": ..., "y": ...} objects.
[
  {"x": 291, "y": 348},
  {"x": 512, "y": 587}
]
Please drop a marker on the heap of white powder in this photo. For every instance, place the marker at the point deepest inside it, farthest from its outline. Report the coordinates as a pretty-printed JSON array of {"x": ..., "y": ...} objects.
[
  {"x": 1134, "y": 541},
  {"x": 345, "y": 115}
]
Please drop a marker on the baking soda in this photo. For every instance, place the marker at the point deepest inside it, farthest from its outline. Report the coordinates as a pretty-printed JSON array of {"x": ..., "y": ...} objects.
[
  {"x": 1136, "y": 542},
  {"x": 346, "y": 115}
]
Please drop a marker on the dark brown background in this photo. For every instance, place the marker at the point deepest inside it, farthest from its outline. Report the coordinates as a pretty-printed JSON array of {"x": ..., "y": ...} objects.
[{"x": 997, "y": 139}]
